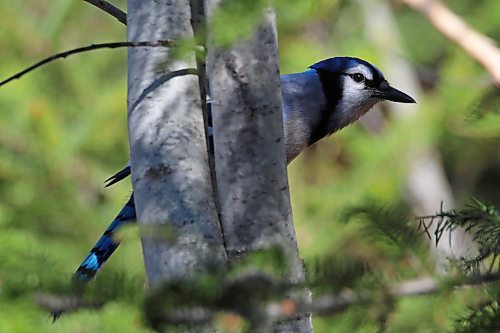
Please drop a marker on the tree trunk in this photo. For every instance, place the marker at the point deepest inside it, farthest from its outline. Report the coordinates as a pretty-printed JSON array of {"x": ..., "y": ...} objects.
[
  {"x": 250, "y": 163},
  {"x": 171, "y": 178}
]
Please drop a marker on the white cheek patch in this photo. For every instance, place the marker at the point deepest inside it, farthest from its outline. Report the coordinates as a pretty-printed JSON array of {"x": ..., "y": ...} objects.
[
  {"x": 354, "y": 92},
  {"x": 354, "y": 103},
  {"x": 353, "y": 95}
]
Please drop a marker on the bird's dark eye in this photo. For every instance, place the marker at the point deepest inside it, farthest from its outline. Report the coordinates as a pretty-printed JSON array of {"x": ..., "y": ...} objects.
[{"x": 358, "y": 77}]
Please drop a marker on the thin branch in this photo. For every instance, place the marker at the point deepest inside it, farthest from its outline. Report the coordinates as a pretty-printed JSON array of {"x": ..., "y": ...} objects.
[
  {"x": 323, "y": 305},
  {"x": 158, "y": 43},
  {"x": 158, "y": 82},
  {"x": 478, "y": 46},
  {"x": 329, "y": 305},
  {"x": 110, "y": 9}
]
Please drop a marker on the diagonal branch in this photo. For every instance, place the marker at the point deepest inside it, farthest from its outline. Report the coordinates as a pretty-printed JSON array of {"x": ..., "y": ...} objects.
[
  {"x": 328, "y": 305},
  {"x": 286, "y": 308},
  {"x": 110, "y": 9},
  {"x": 158, "y": 43},
  {"x": 478, "y": 46}
]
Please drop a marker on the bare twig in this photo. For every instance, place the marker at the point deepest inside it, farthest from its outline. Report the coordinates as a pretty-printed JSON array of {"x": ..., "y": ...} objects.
[
  {"x": 478, "y": 46},
  {"x": 110, "y": 9},
  {"x": 158, "y": 43}
]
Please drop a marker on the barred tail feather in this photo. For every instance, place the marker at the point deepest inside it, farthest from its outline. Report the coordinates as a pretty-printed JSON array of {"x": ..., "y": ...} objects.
[{"x": 107, "y": 244}]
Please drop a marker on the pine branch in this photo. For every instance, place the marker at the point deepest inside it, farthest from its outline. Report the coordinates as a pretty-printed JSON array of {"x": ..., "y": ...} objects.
[
  {"x": 334, "y": 273},
  {"x": 488, "y": 103},
  {"x": 479, "y": 219},
  {"x": 385, "y": 222},
  {"x": 114, "y": 45},
  {"x": 483, "y": 318},
  {"x": 110, "y": 9}
]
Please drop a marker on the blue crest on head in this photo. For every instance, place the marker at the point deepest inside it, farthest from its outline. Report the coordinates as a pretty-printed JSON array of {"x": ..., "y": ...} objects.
[{"x": 338, "y": 65}]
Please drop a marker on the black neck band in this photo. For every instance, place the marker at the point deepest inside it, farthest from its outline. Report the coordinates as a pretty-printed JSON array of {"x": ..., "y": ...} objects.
[{"x": 332, "y": 90}]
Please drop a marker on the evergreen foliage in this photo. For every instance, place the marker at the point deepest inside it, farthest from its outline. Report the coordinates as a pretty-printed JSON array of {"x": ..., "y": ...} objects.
[
  {"x": 483, "y": 221},
  {"x": 479, "y": 219},
  {"x": 484, "y": 318}
]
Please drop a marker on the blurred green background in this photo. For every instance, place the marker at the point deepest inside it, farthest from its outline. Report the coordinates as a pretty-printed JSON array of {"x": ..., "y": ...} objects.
[{"x": 63, "y": 131}]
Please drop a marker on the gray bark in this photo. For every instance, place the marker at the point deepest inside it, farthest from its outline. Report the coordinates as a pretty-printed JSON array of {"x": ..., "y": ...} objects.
[
  {"x": 250, "y": 161},
  {"x": 171, "y": 179}
]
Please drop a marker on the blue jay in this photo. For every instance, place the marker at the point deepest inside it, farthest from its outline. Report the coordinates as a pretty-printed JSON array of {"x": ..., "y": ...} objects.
[{"x": 327, "y": 97}]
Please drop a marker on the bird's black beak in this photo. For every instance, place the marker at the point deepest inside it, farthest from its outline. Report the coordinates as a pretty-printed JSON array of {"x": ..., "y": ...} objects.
[{"x": 385, "y": 91}]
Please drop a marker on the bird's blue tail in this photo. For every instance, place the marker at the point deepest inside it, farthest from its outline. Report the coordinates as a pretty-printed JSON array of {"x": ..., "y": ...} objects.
[{"x": 106, "y": 245}]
